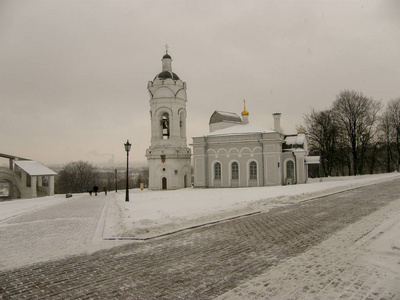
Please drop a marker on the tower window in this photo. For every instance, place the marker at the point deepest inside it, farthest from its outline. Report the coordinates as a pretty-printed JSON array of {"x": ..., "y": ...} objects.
[
  {"x": 217, "y": 171},
  {"x": 235, "y": 170},
  {"x": 290, "y": 169},
  {"x": 253, "y": 170},
  {"x": 165, "y": 126}
]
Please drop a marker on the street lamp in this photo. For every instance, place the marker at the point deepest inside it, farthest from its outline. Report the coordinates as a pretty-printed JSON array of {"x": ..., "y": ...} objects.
[
  {"x": 116, "y": 181},
  {"x": 127, "y": 149}
]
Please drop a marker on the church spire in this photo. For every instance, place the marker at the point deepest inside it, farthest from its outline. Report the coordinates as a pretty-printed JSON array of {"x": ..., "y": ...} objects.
[{"x": 166, "y": 61}]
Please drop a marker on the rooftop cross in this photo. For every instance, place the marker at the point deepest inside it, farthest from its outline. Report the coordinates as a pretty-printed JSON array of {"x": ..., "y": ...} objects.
[{"x": 166, "y": 48}]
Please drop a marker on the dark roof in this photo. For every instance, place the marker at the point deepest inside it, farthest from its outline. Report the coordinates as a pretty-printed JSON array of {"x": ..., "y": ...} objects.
[
  {"x": 223, "y": 116},
  {"x": 167, "y": 74},
  {"x": 166, "y": 56}
]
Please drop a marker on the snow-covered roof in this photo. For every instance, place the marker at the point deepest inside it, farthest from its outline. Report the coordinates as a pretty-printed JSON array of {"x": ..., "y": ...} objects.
[
  {"x": 224, "y": 116},
  {"x": 34, "y": 168},
  {"x": 240, "y": 129},
  {"x": 12, "y": 156},
  {"x": 297, "y": 139}
]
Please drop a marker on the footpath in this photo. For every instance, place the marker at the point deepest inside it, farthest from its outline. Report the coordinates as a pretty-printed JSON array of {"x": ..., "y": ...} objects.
[{"x": 361, "y": 261}]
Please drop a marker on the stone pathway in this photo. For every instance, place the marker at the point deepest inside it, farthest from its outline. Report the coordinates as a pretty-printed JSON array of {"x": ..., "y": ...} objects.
[
  {"x": 361, "y": 261},
  {"x": 56, "y": 231},
  {"x": 213, "y": 260}
]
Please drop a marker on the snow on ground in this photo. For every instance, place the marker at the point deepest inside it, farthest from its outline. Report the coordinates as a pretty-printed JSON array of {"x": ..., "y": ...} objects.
[
  {"x": 361, "y": 261},
  {"x": 153, "y": 213},
  {"x": 15, "y": 207}
]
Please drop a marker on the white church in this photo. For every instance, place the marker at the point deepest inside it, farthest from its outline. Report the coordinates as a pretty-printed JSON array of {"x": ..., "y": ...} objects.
[
  {"x": 234, "y": 153},
  {"x": 168, "y": 156}
]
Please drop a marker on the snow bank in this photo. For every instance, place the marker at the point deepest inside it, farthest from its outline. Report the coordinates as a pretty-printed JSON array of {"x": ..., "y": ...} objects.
[{"x": 153, "y": 213}]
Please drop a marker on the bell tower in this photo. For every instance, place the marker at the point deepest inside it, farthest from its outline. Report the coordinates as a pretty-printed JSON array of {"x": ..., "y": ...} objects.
[{"x": 168, "y": 156}]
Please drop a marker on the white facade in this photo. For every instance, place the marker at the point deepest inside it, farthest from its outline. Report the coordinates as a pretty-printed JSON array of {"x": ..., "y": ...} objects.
[
  {"x": 168, "y": 155},
  {"x": 25, "y": 178},
  {"x": 243, "y": 155}
]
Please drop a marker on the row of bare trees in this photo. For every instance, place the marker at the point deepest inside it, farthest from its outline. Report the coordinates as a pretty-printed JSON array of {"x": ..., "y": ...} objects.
[
  {"x": 80, "y": 176},
  {"x": 355, "y": 135}
]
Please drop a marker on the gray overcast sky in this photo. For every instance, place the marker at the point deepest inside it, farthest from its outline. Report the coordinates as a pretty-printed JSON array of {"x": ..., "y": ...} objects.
[{"x": 73, "y": 74}]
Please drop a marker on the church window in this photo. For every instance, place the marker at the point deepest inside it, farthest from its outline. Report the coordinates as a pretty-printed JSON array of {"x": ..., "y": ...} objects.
[
  {"x": 235, "y": 170},
  {"x": 182, "y": 124},
  {"x": 165, "y": 126},
  {"x": 290, "y": 169},
  {"x": 253, "y": 170},
  {"x": 217, "y": 171}
]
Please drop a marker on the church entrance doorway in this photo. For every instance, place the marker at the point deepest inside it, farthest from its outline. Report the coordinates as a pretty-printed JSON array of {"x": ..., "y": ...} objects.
[{"x": 164, "y": 183}]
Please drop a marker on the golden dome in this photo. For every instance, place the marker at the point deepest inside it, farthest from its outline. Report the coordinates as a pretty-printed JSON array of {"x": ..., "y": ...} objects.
[{"x": 245, "y": 112}]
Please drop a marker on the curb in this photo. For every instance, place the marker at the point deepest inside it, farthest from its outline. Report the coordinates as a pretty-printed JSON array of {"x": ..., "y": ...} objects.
[{"x": 240, "y": 216}]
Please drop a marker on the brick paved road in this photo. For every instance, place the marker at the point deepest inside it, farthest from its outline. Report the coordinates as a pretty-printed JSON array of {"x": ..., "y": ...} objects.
[{"x": 199, "y": 264}]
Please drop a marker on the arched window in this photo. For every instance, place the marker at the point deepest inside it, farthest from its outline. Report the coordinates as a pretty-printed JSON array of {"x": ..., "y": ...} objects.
[
  {"x": 217, "y": 171},
  {"x": 165, "y": 126},
  {"x": 235, "y": 170},
  {"x": 253, "y": 170},
  {"x": 182, "y": 124},
  {"x": 290, "y": 169}
]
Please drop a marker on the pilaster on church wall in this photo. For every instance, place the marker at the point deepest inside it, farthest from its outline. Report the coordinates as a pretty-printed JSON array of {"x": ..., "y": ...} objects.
[
  {"x": 199, "y": 161},
  {"x": 51, "y": 186},
  {"x": 300, "y": 166}
]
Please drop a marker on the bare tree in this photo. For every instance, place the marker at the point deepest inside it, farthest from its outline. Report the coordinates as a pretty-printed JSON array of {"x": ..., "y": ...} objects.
[
  {"x": 385, "y": 137},
  {"x": 77, "y": 177},
  {"x": 322, "y": 133},
  {"x": 392, "y": 119},
  {"x": 357, "y": 118}
]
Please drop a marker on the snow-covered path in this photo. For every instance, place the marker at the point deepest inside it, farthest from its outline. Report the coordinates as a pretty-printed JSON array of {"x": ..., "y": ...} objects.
[
  {"x": 154, "y": 213},
  {"x": 58, "y": 229},
  {"x": 359, "y": 259}
]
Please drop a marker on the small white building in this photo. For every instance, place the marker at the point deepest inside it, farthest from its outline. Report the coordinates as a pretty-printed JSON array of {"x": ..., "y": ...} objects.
[
  {"x": 25, "y": 178},
  {"x": 237, "y": 154},
  {"x": 168, "y": 156}
]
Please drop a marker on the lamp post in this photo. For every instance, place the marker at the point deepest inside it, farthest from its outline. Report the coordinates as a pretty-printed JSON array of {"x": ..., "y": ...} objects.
[
  {"x": 127, "y": 149},
  {"x": 116, "y": 181}
]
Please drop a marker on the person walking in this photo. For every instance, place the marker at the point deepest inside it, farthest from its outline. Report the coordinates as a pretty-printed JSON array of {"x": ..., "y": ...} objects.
[{"x": 95, "y": 189}]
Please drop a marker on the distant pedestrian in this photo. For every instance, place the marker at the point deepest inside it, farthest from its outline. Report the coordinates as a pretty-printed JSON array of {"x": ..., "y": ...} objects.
[
  {"x": 105, "y": 190},
  {"x": 90, "y": 192},
  {"x": 95, "y": 189}
]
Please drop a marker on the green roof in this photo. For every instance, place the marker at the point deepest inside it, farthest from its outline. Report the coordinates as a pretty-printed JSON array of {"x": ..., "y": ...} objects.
[{"x": 167, "y": 74}]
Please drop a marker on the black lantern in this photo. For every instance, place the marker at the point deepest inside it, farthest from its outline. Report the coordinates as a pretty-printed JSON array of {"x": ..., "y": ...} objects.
[{"x": 127, "y": 149}]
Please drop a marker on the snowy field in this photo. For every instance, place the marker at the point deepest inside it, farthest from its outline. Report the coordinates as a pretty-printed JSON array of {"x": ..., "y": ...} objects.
[
  {"x": 153, "y": 213},
  {"x": 361, "y": 259}
]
